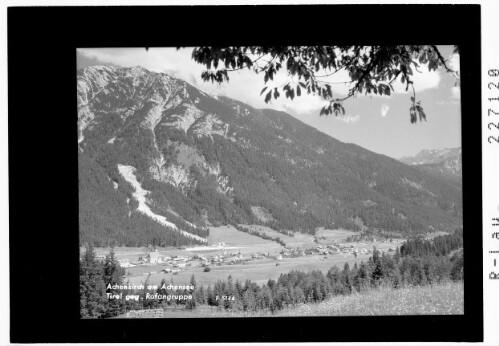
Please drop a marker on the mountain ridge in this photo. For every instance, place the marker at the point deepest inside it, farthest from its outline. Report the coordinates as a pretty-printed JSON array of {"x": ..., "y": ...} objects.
[
  {"x": 446, "y": 161},
  {"x": 211, "y": 159}
]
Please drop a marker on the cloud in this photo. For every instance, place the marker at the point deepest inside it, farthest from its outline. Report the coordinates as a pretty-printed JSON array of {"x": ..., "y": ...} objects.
[
  {"x": 163, "y": 60},
  {"x": 244, "y": 85},
  {"x": 300, "y": 105},
  {"x": 423, "y": 80},
  {"x": 384, "y": 109},
  {"x": 456, "y": 93},
  {"x": 349, "y": 119}
]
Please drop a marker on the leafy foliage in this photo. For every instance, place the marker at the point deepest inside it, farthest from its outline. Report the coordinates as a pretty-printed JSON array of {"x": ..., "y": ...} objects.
[{"x": 372, "y": 69}]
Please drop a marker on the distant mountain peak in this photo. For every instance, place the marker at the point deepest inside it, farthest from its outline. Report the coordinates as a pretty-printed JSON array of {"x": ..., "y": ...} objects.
[
  {"x": 431, "y": 156},
  {"x": 447, "y": 161}
]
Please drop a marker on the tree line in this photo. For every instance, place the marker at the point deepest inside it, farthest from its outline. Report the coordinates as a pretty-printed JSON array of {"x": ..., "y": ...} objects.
[
  {"x": 416, "y": 263},
  {"x": 260, "y": 234}
]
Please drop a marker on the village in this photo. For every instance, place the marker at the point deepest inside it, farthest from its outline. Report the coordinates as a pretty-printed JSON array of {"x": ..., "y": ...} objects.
[
  {"x": 244, "y": 256},
  {"x": 157, "y": 263}
]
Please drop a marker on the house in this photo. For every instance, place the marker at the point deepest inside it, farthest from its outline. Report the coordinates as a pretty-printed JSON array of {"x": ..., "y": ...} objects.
[
  {"x": 154, "y": 257},
  {"x": 124, "y": 263}
]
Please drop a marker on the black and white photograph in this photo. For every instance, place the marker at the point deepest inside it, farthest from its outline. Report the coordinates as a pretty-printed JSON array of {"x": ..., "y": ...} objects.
[
  {"x": 257, "y": 173},
  {"x": 270, "y": 181}
]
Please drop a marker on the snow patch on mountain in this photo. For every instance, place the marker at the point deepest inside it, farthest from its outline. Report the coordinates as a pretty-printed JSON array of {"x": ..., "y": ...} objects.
[{"x": 128, "y": 173}]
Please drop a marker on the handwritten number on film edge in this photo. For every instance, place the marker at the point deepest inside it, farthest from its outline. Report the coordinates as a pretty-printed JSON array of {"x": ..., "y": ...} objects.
[{"x": 493, "y": 73}]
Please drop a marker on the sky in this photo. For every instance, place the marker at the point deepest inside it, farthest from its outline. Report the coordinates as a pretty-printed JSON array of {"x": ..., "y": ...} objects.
[{"x": 378, "y": 123}]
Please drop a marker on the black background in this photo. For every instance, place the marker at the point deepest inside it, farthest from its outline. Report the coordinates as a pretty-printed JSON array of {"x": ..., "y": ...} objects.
[{"x": 43, "y": 166}]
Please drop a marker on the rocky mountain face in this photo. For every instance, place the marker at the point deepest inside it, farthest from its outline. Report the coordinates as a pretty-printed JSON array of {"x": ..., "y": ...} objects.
[
  {"x": 445, "y": 161},
  {"x": 160, "y": 160}
]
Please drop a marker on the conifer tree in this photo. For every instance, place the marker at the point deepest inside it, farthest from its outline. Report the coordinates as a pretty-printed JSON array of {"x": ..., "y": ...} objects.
[
  {"x": 346, "y": 280},
  {"x": 200, "y": 295},
  {"x": 249, "y": 300},
  {"x": 92, "y": 288},
  {"x": 191, "y": 303},
  {"x": 112, "y": 274}
]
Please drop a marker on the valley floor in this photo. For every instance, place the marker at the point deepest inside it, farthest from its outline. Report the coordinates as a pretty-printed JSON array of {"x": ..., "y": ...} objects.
[{"x": 257, "y": 270}]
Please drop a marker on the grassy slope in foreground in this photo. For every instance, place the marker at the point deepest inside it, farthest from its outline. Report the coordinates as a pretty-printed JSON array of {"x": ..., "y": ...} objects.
[{"x": 444, "y": 299}]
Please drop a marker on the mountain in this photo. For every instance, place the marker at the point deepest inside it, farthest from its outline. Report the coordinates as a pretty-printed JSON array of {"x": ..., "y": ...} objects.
[
  {"x": 160, "y": 160},
  {"x": 444, "y": 161}
]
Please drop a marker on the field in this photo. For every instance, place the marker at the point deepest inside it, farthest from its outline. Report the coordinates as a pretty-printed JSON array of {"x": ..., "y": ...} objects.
[
  {"x": 331, "y": 235},
  {"x": 245, "y": 242},
  {"x": 445, "y": 299},
  {"x": 258, "y": 270},
  {"x": 432, "y": 235},
  {"x": 300, "y": 240}
]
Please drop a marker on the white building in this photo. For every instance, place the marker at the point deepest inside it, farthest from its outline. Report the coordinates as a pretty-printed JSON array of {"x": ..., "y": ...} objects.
[{"x": 154, "y": 257}]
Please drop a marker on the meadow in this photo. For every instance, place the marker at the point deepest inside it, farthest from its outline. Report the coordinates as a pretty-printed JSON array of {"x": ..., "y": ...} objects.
[
  {"x": 301, "y": 240},
  {"x": 259, "y": 271},
  {"x": 443, "y": 299}
]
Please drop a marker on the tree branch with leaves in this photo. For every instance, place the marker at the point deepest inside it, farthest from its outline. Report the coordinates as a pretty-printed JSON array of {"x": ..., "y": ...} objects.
[{"x": 371, "y": 69}]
